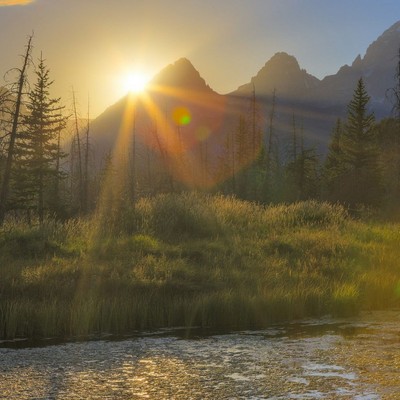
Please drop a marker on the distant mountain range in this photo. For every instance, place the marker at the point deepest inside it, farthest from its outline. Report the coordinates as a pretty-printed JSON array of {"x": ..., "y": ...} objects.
[
  {"x": 377, "y": 68},
  {"x": 312, "y": 104}
]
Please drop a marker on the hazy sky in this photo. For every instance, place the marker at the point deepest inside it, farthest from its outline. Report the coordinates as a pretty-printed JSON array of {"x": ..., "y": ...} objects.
[{"x": 92, "y": 44}]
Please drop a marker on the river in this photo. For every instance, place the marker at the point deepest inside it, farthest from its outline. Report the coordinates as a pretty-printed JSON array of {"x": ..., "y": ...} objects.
[{"x": 357, "y": 358}]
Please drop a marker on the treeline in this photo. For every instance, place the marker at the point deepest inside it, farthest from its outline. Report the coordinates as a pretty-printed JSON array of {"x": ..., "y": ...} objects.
[
  {"x": 39, "y": 177},
  {"x": 360, "y": 170}
]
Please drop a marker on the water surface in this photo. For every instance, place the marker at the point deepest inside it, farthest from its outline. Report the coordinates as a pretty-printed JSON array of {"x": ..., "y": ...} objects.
[{"x": 318, "y": 359}]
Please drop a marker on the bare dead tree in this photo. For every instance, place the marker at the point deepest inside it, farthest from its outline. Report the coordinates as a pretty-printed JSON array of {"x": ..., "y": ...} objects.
[
  {"x": 253, "y": 124},
  {"x": 294, "y": 139},
  {"x": 13, "y": 134},
  {"x": 58, "y": 169},
  {"x": 271, "y": 132},
  {"x": 86, "y": 178},
  {"x": 79, "y": 148},
  {"x": 134, "y": 173}
]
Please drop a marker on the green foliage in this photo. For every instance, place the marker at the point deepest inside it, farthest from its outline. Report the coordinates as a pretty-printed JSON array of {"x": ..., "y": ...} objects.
[
  {"x": 388, "y": 134},
  {"x": 177, "y": 217},
  {"x": 352, "y": 169},
  {"x": 194, "y": 260},
  {"x": 302, "y": 176},
  {"x": 27, "y": 245},
  {"x": 36, "y": 173}
]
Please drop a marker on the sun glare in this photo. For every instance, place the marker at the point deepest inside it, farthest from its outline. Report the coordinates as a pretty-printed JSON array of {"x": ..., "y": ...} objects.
[{"x": 135, "y": 82}]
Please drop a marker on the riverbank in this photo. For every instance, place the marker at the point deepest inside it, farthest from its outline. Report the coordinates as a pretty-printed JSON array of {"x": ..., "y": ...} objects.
[{"x": 193, "y": 260}]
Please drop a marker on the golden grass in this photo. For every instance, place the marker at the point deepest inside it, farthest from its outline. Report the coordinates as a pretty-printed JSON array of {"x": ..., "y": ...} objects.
[{"x": 190, "y": 259}]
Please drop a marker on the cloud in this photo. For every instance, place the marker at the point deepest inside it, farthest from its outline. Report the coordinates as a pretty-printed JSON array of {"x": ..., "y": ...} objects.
[{"x": 15, "y": 2}]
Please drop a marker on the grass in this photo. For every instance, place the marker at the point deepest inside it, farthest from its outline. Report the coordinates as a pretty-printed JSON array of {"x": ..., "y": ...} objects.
[{"x": 193, "y": 260}]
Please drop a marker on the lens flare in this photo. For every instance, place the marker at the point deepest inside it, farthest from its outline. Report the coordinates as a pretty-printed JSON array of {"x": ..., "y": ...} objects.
[{"x": 181, "y": 116}]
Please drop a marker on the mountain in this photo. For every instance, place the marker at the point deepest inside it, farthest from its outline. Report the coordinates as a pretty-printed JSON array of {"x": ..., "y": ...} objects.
[
  {"x": 377, "y": 68},
  {"x": 281, "y": 72},
  {"x": 181, "y": 74},
  {"x": 178, "y": 115},
  {"x": 316, "y": 104},
  {"x": 295, "y": 104},
  {"x": 181, "y": 111},
  {"x": 177, "y": 86}
]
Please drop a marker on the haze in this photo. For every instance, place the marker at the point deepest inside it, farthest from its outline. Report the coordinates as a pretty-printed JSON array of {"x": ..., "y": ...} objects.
[{"x": 92, "y": 45}]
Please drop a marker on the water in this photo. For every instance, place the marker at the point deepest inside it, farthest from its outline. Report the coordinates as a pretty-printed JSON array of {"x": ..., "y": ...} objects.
[{"x": 324, "y": 359}]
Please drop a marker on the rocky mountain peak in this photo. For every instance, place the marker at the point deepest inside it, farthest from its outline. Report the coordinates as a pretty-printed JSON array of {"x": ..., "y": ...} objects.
[
  {"x": 357, "y": 63},
  {"x": 282, "y": 72},
  {"x": 283, "y": 59},
  {"x": 181, "y": 74},
  {"x": 387, "y": 45}
]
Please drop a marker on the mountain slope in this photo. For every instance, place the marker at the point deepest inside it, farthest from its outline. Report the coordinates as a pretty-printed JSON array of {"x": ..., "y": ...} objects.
[
  {"x": 179, "y": 116},
  {"x": 377, "y": 68},
  {"x": 303, "y": 101},
  {"x": 181, "y": 74},
  {"x": 281, "y": 72}
]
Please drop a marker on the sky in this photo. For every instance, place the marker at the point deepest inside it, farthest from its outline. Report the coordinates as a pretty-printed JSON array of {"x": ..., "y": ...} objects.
[{"x": 92, "y": 45}]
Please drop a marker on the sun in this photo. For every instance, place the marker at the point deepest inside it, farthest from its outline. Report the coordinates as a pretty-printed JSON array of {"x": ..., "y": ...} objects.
[{"x": 135, "y": 82}]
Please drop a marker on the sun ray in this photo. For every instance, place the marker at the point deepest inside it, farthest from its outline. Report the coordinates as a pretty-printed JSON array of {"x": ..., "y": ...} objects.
[
  {"x": 115, "y": 184},
  {"x": 218, "y": 102}
]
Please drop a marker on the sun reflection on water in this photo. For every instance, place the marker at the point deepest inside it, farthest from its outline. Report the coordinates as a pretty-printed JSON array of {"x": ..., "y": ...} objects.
[{"x": 341, "y": 359}]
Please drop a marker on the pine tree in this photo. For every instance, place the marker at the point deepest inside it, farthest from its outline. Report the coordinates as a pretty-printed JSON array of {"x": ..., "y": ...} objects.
[
  {"x": 38, "y": 151},
  {"x": 361, "y": 171}
]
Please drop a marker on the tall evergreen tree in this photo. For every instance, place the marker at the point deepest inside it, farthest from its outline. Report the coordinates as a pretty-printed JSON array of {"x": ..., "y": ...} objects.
[
  {"x": 358, "y": 155},
  {"x": 38, "y": 151}
]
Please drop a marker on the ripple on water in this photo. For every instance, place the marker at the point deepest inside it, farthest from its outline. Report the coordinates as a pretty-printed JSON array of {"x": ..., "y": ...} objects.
[{"x": 315, "y": 364}]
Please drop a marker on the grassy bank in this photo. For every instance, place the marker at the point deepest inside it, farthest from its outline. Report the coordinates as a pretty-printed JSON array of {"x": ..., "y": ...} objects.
[{"x": 193, "y": 260}]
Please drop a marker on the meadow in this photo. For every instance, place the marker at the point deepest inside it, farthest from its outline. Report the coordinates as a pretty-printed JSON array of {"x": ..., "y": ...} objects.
[{"x": 193, "y": 260}]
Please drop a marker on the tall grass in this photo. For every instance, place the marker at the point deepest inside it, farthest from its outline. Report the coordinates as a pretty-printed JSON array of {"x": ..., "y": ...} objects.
[{"x": 191, "y": 259}]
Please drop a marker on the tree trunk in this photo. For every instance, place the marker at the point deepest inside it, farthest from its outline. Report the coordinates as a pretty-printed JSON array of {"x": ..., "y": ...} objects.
[
  {"x": 86, "y": 181},
  {"x": 78, "y": 142},
  {"x": 13, "y": 135}
]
